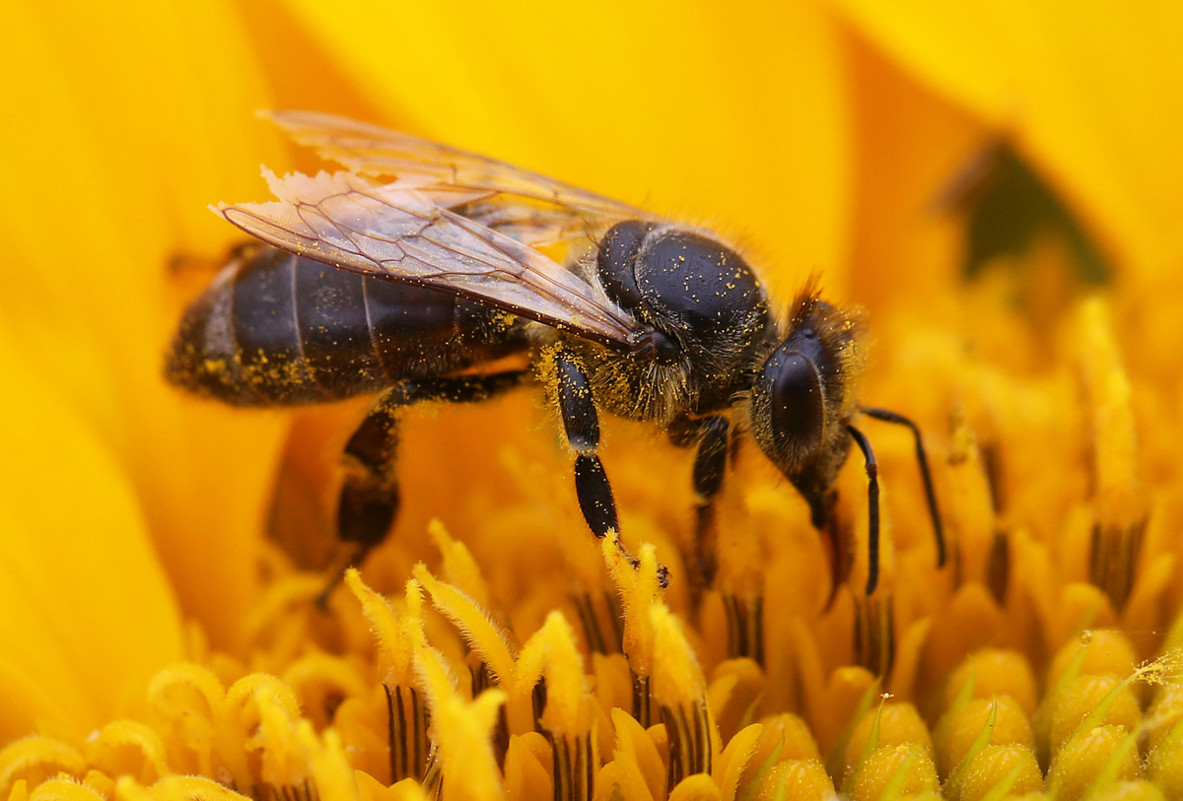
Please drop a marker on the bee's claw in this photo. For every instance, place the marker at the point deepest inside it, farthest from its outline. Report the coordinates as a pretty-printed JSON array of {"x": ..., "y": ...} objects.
[{"x": 663, "y": 572}]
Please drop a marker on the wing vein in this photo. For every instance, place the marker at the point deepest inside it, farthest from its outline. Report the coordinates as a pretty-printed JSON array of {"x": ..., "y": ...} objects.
[{"x": 444, "y": 222}]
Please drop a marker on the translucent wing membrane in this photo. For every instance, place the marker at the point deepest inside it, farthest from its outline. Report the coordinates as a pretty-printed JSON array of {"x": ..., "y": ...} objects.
[
  {"x": 408, "y": 231},
  {"x": 374, "y": 151}
]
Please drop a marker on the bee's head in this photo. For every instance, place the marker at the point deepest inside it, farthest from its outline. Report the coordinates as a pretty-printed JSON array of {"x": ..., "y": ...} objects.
[
  {"x": 788, "y": 404},
  {"x": 803, "y": 394}
]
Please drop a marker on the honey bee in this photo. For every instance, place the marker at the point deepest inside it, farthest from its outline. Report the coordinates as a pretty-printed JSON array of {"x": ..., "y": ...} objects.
[{"x": 422, "y": 264}]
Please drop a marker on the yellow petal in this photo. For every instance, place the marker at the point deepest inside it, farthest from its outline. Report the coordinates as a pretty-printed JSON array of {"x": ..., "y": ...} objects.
[
  {"x": 734, "y": 759},
  {"x": 698, "y": 787},
  {"x": 1070, "y": 82},
  {"x": 637, "y": 755},
  {"x": 676, "y": 99},
  {"x": 88, "y": 616},
  {"x": 136, "y": 120},
  {"x": 525, "y": 775}
]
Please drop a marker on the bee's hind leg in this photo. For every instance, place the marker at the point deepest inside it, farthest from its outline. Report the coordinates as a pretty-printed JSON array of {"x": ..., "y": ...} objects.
[{"x": 369, "y": 499}]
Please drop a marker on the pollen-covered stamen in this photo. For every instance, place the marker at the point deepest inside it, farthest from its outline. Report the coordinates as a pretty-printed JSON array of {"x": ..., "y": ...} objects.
[
  {"x": 874, "y": 632},
  {"x": 407, "y": 713},
  {"x": 129, "y": 748},
  {"x": 745, "y": 627},
  {"x": 1119, "y": 508},
  {"x": 501, "y": 663},
  {"x": 266, "y": 711},
  {"x": 458, "y": 566},
  {"x": 741, "y": 556},
  {"x": 461, "y": 730},
  {"x": 566, "y": 716},
  {"x": 36, "y": 758},
  {"x": 679, "y": 691},
  {"x": 640, "y": 590},
  {"x": 970, "y": 504},
  {"x": 188, "y": 706},
  {"x": 665, "y": 670},
  {"x": 465, "y": 600}
]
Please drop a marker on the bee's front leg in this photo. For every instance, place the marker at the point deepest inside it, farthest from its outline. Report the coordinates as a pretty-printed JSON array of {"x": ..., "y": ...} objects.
[{"x": 581, "y": 424}]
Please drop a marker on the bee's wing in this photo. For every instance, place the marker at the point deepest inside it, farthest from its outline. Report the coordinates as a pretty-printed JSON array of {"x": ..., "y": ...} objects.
[
  {"x": 375, "y": 151},
  {"x": 406, "y": 231}
]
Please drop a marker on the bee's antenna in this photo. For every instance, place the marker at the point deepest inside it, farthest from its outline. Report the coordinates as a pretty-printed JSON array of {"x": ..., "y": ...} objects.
[
  {"x": 929, "y": 493},
  {"x": 872, "y": 508}
]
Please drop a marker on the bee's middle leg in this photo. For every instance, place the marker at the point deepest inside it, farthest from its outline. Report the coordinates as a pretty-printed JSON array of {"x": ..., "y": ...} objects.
[
  {"x": 369, "y": 499},
  {"x": 710, "y": 466}
]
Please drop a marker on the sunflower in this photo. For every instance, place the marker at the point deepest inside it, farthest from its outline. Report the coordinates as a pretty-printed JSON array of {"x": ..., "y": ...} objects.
[{"x": 996, "y": 186}]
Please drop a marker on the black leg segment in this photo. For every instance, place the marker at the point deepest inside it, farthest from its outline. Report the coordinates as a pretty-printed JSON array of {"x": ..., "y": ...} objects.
[
  {"x": 576, "y": 405},
  {"x": 710, "y": 435},
  {"x": 581, "y": 423},
  {"x": 369, "y": 497},
  {"x": 595, "y": 495},
  {"x": 872, "y": 508},
  {"x": 930, "y": 494},
  {"x": 710, "y": 462}
]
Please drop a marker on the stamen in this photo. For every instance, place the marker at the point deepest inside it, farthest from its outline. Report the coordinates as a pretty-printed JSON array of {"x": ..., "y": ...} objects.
[
  {"x": 745, "y": 627},
  {"x": 874, "y": 632},
  {"x": 35, "y": 759},
  {"x": 1119, "y": 507},
  {"x": 406, "y": 733},
  {"x": 567, "y": 716},
  {"x": 679, "y": 690}
]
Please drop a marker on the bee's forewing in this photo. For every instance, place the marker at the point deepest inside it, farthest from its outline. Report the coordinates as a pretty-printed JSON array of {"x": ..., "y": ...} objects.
[
  {"x": 406, "y": 231},
  {"x": 371, "y": 150}
]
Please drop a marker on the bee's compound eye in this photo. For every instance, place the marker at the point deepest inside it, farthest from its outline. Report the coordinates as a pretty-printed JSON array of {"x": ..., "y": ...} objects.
[
  {"x": 797, "y": 401},
  {"x": 788, "y": 406}
]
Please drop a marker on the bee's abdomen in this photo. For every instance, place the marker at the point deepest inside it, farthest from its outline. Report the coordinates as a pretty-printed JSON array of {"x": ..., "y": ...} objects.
[{"x": 276, "y": 329}]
